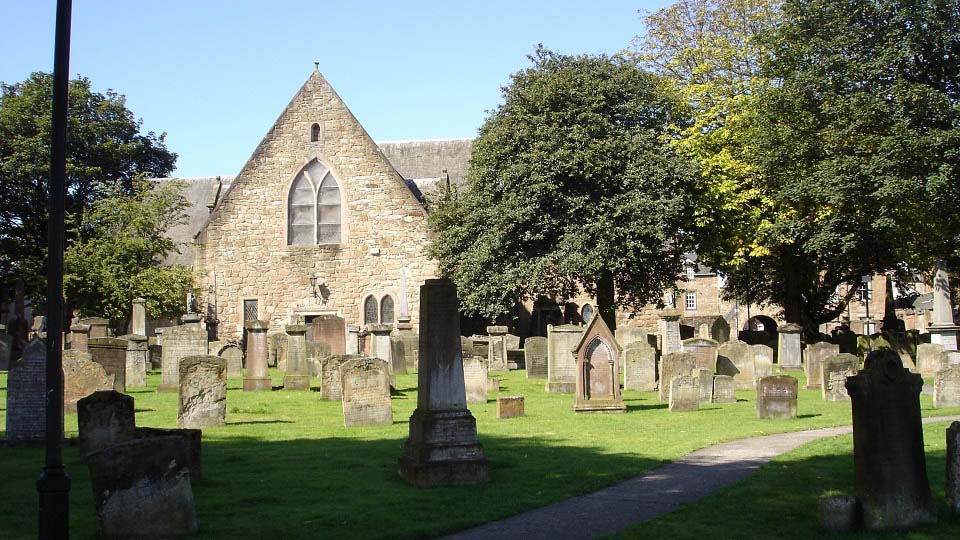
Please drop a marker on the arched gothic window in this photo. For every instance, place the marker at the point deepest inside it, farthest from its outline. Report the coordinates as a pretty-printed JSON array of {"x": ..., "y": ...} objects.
[
  {"x": 313, "y": 207},
  {"x": 386, "y": 310},
  {"x": 370, "y": 310}
]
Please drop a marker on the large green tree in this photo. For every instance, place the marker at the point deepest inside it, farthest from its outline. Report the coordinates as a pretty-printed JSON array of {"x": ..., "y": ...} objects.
[
  {"x": 118, "y": 256},
  {"x": 105, "y": 151},
  {"x": 572, "y": 186}
]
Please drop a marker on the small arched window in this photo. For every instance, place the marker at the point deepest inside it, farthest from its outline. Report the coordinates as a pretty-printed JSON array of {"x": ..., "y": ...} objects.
[
  {"x": 386, "y": 310},
  {"x": 313, "y": 207},
  {"x": 315, "y": 133},
  {"x": 370, "y": 310}
]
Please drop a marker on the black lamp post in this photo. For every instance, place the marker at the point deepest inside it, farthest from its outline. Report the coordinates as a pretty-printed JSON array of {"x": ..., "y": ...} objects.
[{"x": 53, "y": 486}]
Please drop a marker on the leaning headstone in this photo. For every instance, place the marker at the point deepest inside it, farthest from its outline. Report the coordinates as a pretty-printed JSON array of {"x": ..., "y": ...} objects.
[
  {"x": 234, "y": 357},
  {"x": 141, "y": 489},
  {"x": 331, "y": 330},
  {"x": 297, "y": 375},
  {"x": 946, "y": 387},
  {"x": 684, "y": 394},
  {"x": 475, "y": 379},
  {"x": 365, "y": 390},
  {"x": 535, "y": 357},
  {"x": 561, "y": 364},
  {"x": 640, "y": 367},
  {"x": 738, "y": 360},
  {"x": 763, "y": 361},
  {"x": 111, "y": 353},
  {"x": 704, "y": 351},
  {"x": 674, "y": 365},
  {"x": 257, "y": 378},
  {"x": 813, "y": 357},
  {"x": 137, "y": 360},
  {"x": 598, "y": 365},
  {"x": 330, "y": 389},
  {"x": 788, "y": 346},
  {"x": 203, "y": 392},
  {"x": 442, "y": 449},
  {"x": 929, "y": 359},
  {"x": 834, "y": 372},
  {"x": 104, "y": 418},
  {"x": 890, "y": 473},
  {"x": 82, "y": 377},
  {"x": 26, "y": 388},
  {"x": 952, "y": 487},
  {"x": 724, "y": 389},
  {"x": 179, "y": 342},
  {"x": 777, "y": 397},
  {"x": 497, "y": 358},
  {"x": 509, "y": 406}
]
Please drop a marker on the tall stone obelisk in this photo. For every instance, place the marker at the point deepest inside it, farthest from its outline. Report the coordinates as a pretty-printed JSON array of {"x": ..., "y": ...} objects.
[{"x": 943, "y": 331}]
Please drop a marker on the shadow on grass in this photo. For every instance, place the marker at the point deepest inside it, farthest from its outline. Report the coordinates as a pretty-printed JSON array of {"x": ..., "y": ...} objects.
[
  {"x": 139, "y": 410},
  {"x": 808, "y": 415},
  {"x": 251, "y": 422},
  {"x": 642, "y": 407}
]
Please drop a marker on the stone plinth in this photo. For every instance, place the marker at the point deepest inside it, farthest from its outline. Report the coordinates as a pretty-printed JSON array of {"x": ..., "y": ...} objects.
[
  {"x": 79, "y": 334},
  {"x": 789, "y": 347},
  {"x": 257, "y": 378},
  {"x": 890, "y": 473},
  {"x": 137, "y": 360},
  {"x": 777, "y": 397},
  {"x": 561, "y": 363},
  {"x": 138, "y": 319},
  {"x": 442, "y": 449},
  {"x": 670, "y": 331},
  {"x": 203, "y": 392},
  {"x": 297, "y": 376},
  {"x": 509, "y": 406}
]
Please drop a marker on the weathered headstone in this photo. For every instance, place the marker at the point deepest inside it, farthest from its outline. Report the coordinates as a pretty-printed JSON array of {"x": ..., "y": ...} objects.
[
  {"x": 788, "y": 346},
  {"x": 398, "y": 355},
  {"x": 330, "y": 389},
  {"x": 6, "y": 348},
  {"x": 137, "y": 360},
  {"x": 79, "y": 335},
  {"x": 946, "y": 387},
  {"x": 535, "y": 357},
  {"x": 952, "y": 487},
  {"x": 297, "y": 375},
  {"x": 598, "y": 363},
  {"x": 890, "y": 473},
  {"x": 724, "y": 389},
  {"x": 684, "y": 393},
  {"x": 82, "y": 377},
  {"x": 192, "y": 441},
  {"x": 674, "y": 365},
  {"x": 104, "y": 418},
  {"x": 365, "y": 390},
  {"x": 141, "y": 489},
  {"x": 493, "y": 385},
  {"x": 138, "y": 319},
  {"x": 26, "y": 388},
  {"x": 704, "y": 351},
  {"x": 411, "y": 344},
  {"x": 950, "y": 358},
  {"x": 813, "y": 357},
  {"x": 628, "y": 335},
  {"x": 179, "y": 342},
  {"x": 442, "y": 449},
  {"x": 111, "y": 353},
  {"x": 497, "y": 359},
  {"x": 640, "y": 367},
  {"x": 738, "y": 360},
  {"x": 777, "y": 397},
  {"x": 929, "y": 359},
  {"x": 481, "y": 346},
  {"x": 509, "y": 406},
  {"x": 670, "y": 332},
  {"x": 203, "y": 392},
  {"x": 380, "y": 339},
  {"x": 833, "y": 376},
  {"x": 277, "y": 350},
  {"x": 705, "y": 382},
  {"x": 352, "y": 345},
  {"x": 837, "y": 513},
  {"x": 257, "y": 378},
  {"x": 331, "y": 330},
  {"x": 475, "y": 379},
  {"x": 561, "y": 364},
  {"x": 232, "y": 353},
  {"x": 515, "y": 359},
  {"x": 763, "y": 361}
]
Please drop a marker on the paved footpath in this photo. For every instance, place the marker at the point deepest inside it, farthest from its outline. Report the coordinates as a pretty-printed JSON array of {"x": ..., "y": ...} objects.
[{"x": 660, "y": 491}]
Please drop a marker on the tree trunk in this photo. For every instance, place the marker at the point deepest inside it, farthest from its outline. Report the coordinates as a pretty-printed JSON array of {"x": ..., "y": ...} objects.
[{"x": 606, "y": 301}]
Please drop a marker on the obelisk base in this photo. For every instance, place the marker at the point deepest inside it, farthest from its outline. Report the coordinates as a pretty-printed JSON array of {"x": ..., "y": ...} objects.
[
  {"x": 945, "y": 335},
  {"x": 257, "y": 384},
  {"x": 443, "y": 450}
]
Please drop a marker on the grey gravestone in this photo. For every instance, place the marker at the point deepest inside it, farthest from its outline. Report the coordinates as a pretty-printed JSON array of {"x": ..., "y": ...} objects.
[
  {"x": 738, "y": 360},
  {"x": 946, "y": 387},
  {"x": 705, "y": 381},
  {"x": 179, "y": 342},
  {"x": 561, "y": 364},
  {"x": 26, "y": 388},
  {"x": 475, "y": 379},
  {"x": 442, "y": 449},
  {"x": 670, "y": 332},
  {"x": 598, "y": 366},
  {"x": 138, "y": 358},
  {"x": 813, "y": 357},
  {"x": 82, "y": 377},
  {"x": 837, "y": 513},
  {"x": 890, "y": 473},
  {"x": 141, "y": 489},
  {"x": 950, "y": 358},
  {"x": 788, "y": 346},
  {"x": 929, "y": 360},
  {"x": 535, "y": 357},
  {"x": 257, "y": 378},
  {"x": 952, "y": 487},
  {"x": 674, "y": 365},
  {"x": 627, "y": 335},
  {"x": 234, "y": 357},
  {"x": 640, "y": 367},
  {"x": 297, "y": 375},
  {"x": 763, "y": 362},
  {"x": 481, "y": 346},
  {"x": 497, "y": 357},
  {"x": 192, "y": 441},
  {"x": 724, "y": 389},
  {"x": 104, "y": 418},
  {"x": 6, "y": 348},
  {"x": 777, "y": 397},
  {"x": 512, "y": 342},
  {"x": 365, "y": 387},
  {"x": 203, "y": 392},
  {"x": 833, "y": 376},
  {"x": 411, "y": 344},
  {"x": 138, "y": 319},
  {"x": 704, "y": 351},
  {"x": 111, "y": 353},
  {"x": 277, "y": 350},
  {"x": 398, "y": 355},
  {"x": 330, "y": 375},
  {"x": 684, "y": 394},
  {"x": 380, "y": 338},
  {"x": 493, "y": 385}
]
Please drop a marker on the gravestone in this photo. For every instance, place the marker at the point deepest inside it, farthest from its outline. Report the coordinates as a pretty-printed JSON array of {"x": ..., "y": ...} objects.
[
  {"x": 674, "y": 365},
  {"x": 497, "y": 358},
  {"x": 952, "y": 487},
  {"x": 257, "y": 378},
  {"x": 331, "y": 330},
  {"x": 890, "y": 473},
  {"x": 79, "y": 335},
  {"x": 137, "y": 359},
  {"x": 949, "y": 358},
  {"x": 481, "y": 346},
  {"x": 628, "y": 335},
  {"x": 946, "y": 387},
  {"x": 297, "y": 375},
  {"x": 929, "y": 358},
  {"x": 104, "y": 418},
  {"x": 598, "y": 363},
  {"x": 763, "y": 362},
  {"x": 192, "y": 440},
  {"x": 837, "y": 513},
  {"x": 141, "y": 489},
  {"x": 535, "y": 357},
  {"x": 330, "y": 388},
  {"x": 640, "y": 367},
  {"x": 704, "y": 351},
  {"x": 98, "y": 326},
  {"x": 398, "y": 355},
  {"x": 138, "y": 318},
  {"x": 788, "y": 346},
  {"x": 813, "y": 356},
  {"x": 232, "y": 353},
  {"x": 381, "y": 345},
  {"x": 737, "y": 359},
  {"x": 834, "y": 372},
  {"x": 684, "y": 394},
  {"x": 442, "y": 449},
  {"x": 509, "y": 406},
  {"x": 942, "y": 330},
  {"x": 26, "y": 388},
  {"x": 365, "y": 390},
  {"x": 411, "y": 344},
  {"x": 724, "y": 389},
  {"x": 6, "y": 348},
  {"x": 561, "y": 364},
  {"x": 82, "y": 377},
  {"x": 179, "y": 342},
  {"x": 493, "y": 385},
  {"x": 670, "y": 332},
  {"x": 475, "y": 379},
  {"x": 203, "y": 392},
  {"x": 512, "y": 342},
  {"x": 352, "y": 345},
  {"x": 277, "y": 350},
  {"x": 515, "y": 359},
  {"x": 111, "y": 353},
  {"x": 777, "y": 397},
  {"x": 705, "y": 382}
]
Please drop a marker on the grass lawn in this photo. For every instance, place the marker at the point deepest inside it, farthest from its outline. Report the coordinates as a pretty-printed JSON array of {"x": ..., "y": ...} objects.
[
  {"x": 780, "y": 501},
  {"x": 285, "y": 467}
]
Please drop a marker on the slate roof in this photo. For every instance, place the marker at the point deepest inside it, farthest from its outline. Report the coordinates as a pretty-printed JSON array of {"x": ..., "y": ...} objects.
[{"x": 200, "y": 191}]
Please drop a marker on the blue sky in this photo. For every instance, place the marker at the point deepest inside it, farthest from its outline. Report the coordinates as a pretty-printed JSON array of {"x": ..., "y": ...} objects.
[{"x": 215, "y": 74}]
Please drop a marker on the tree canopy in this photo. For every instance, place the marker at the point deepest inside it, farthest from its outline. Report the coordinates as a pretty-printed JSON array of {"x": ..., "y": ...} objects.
[
  {"x": 572, "y": 186},
  {"x": 106, "y": 151}
]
